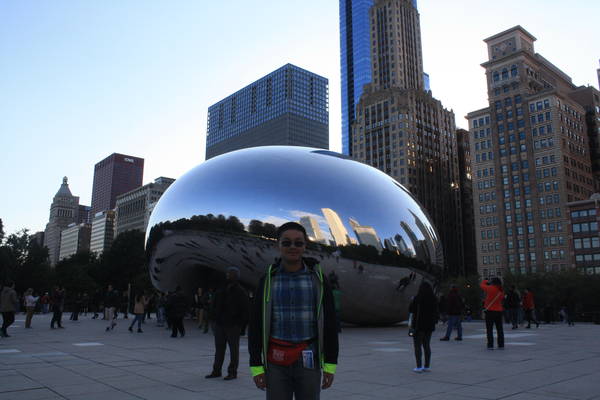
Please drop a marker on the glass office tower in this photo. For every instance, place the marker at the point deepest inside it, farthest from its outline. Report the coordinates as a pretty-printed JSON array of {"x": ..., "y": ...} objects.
[
  {"x": 289, "y": 106},
  {"x": 355, "y": 60}
]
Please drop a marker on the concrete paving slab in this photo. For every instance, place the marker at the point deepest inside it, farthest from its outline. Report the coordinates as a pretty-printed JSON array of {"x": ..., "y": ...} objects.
[{"x": 85, "y": 362}]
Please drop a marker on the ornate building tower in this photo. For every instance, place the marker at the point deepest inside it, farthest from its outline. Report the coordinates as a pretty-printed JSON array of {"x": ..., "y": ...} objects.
[{"x": 63, "y": 211}]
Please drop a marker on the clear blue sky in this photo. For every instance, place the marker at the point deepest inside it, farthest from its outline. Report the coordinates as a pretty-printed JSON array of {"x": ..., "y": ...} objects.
[{"x": 80, "y": 80}]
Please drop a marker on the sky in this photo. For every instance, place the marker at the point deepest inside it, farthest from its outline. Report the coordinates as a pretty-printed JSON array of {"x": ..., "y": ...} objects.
[{"x": 80, "y": 80}]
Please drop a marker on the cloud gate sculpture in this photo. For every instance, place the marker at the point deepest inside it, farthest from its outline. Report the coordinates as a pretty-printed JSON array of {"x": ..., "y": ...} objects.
[{"x": 369, "y": 234}]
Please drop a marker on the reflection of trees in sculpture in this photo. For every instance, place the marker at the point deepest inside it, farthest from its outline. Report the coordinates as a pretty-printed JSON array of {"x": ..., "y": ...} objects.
[
  {"x": 208, "y": 222},
  {"x": 259, "y": 229}
]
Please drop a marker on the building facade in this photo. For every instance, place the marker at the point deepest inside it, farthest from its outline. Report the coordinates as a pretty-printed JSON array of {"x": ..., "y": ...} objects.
[
  {"x": 289, "y": 106},
  {"x": 115, "y": 175},
  {"x": 589, "y": 98},
  {"x": 466, "y": 200},
  {"x": 103, "y": 232},
  {"x": 64, "y": 211},
  {"x": 530, "y": 158},
  {"x": 401, "y": 129},
  {"x": 585, "y": 239},
  {"x": 133, "y": 208},
  {"x": 74, "y": 239}
]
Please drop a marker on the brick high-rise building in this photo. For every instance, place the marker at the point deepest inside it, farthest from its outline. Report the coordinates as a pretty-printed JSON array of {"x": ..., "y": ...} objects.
[
  {"x": 530, "y": 158},
  {"x": 403, "y": 130},
  {"x": 115, "y": 175}
]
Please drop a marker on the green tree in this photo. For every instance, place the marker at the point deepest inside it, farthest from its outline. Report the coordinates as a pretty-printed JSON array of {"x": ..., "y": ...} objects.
[
  {"x": 124, "y": 263},
  {"x": 1, "y": 231}
]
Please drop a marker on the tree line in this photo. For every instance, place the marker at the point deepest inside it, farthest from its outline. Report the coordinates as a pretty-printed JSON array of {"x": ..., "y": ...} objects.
[{"x": 24, "y": 261}]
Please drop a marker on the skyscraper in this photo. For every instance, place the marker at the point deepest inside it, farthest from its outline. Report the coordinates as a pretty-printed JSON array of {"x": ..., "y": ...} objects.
[
  {"x": 289, "y": 106},
  {"x": 355, "y": 60},
  {"x": 64, "y": 211},
  {"x": 531, "y": 156},
  {"x": 115, "y": 175},
  {"x": 402, "y": 130}
]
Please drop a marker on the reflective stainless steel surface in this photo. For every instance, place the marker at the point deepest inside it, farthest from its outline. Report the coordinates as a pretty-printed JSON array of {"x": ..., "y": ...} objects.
[{"x": 367, "y": 231}]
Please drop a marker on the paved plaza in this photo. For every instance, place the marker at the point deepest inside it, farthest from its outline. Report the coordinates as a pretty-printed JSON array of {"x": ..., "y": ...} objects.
[{"x": 84, "y": 362}]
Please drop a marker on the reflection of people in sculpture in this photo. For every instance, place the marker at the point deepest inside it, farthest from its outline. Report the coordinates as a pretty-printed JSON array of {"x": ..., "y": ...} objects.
[
  {"x": 403, "y": 283},
  {"x": 292, "y": 333}
]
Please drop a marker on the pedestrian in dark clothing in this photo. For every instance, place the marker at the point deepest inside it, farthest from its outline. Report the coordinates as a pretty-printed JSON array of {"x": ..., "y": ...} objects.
[
  {"x": 8, "y": 306},
  {"x": 176, "y": 307},
  {"x": 292, "y": 335},
  {"x": 77, "y": 303},
  {"x": 455, "y": 307},
  {"x": 493, "y": 308},
  {"x": 58, "y": 304},
  {"x": 111, "y": 302},
  {"x": 232, "y": 308},
  {"x": 570, "y": 307},
  {"x": 424, "y": 310},
  {"x": 513, "y": 304},
  {"x": 207, "y": 302}
]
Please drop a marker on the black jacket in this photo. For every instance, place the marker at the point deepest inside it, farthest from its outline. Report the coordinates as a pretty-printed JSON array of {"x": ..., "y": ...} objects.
[
  {"x": 176, "y": 305},
  {"x": 425, "y": 313},
  {"x": 454, "y": 303},
  {"x": 258, "y": 337},
  {"x": 232, "y": 305}
]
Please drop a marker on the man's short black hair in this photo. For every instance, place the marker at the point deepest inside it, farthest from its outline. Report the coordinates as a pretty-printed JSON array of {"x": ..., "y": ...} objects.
[{"x": 291, "y": 226}]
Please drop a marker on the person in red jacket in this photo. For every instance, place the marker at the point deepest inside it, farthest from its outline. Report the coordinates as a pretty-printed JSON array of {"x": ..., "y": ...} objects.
[
  {"x": 529, "y": 308},
  {"x": 494, "y": 295}
]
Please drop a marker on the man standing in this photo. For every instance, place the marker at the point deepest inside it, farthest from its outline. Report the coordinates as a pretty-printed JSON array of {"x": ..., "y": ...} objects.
[
  {"x": 231, "y": 310},
  {"x": 58, "y": 304},
  {"x": 111, "y": 302},
  {"x": 513, "y": 303},
  {"x": 293, "y": 332},
  {"x": 177, "y": 305},
  {"x": 8, "y": 307},
  {"x": 454, "y": 307}
]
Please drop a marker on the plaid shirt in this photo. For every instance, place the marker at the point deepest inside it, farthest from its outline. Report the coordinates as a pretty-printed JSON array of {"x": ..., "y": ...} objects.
[{"x": 294, "y": 306}]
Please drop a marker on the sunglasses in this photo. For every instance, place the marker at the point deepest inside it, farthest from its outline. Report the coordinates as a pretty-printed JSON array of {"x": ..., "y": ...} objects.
[{"x": 289, "y": 243}]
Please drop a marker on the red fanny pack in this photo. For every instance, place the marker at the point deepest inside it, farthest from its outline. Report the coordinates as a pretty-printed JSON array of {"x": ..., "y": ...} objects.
[{"x": 284, "y": 353}]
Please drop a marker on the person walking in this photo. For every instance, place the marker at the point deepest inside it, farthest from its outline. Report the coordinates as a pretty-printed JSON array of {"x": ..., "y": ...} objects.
[
  {"x": 8, "y": 306},
  {"x": 45, "y": 302},
  {"x": 232, "y": 307},
  {"x": 160, "y": 310},
  {"x": 529, "y": 308},
  {"x": 424, "y": 308},
  {"x": 138, "y": 310},
  {"x": 111, "y": 302},
  {"x": 513, "y": 304},
  {"x": 292, "y": 334},
  {"x": 455, "y": 307},
  {"x": 176, "y": 307},
  {"x": 77, "y": 304},
  {"x": 58, "y": 304},
  {"x": 493, "y": 308},
  {"x": 30, "y": 303},
  {"x": 207, "y": 302},
  {"x": 198, "y": 306}
]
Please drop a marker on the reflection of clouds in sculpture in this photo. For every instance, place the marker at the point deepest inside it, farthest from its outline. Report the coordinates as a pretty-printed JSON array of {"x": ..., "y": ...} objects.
[{"x": 366, "y": 227}]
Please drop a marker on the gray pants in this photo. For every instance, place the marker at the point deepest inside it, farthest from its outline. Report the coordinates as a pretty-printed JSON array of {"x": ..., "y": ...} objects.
[
  {"x": 227, "y": 335},
  {"x": 294, "y": 380}
]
